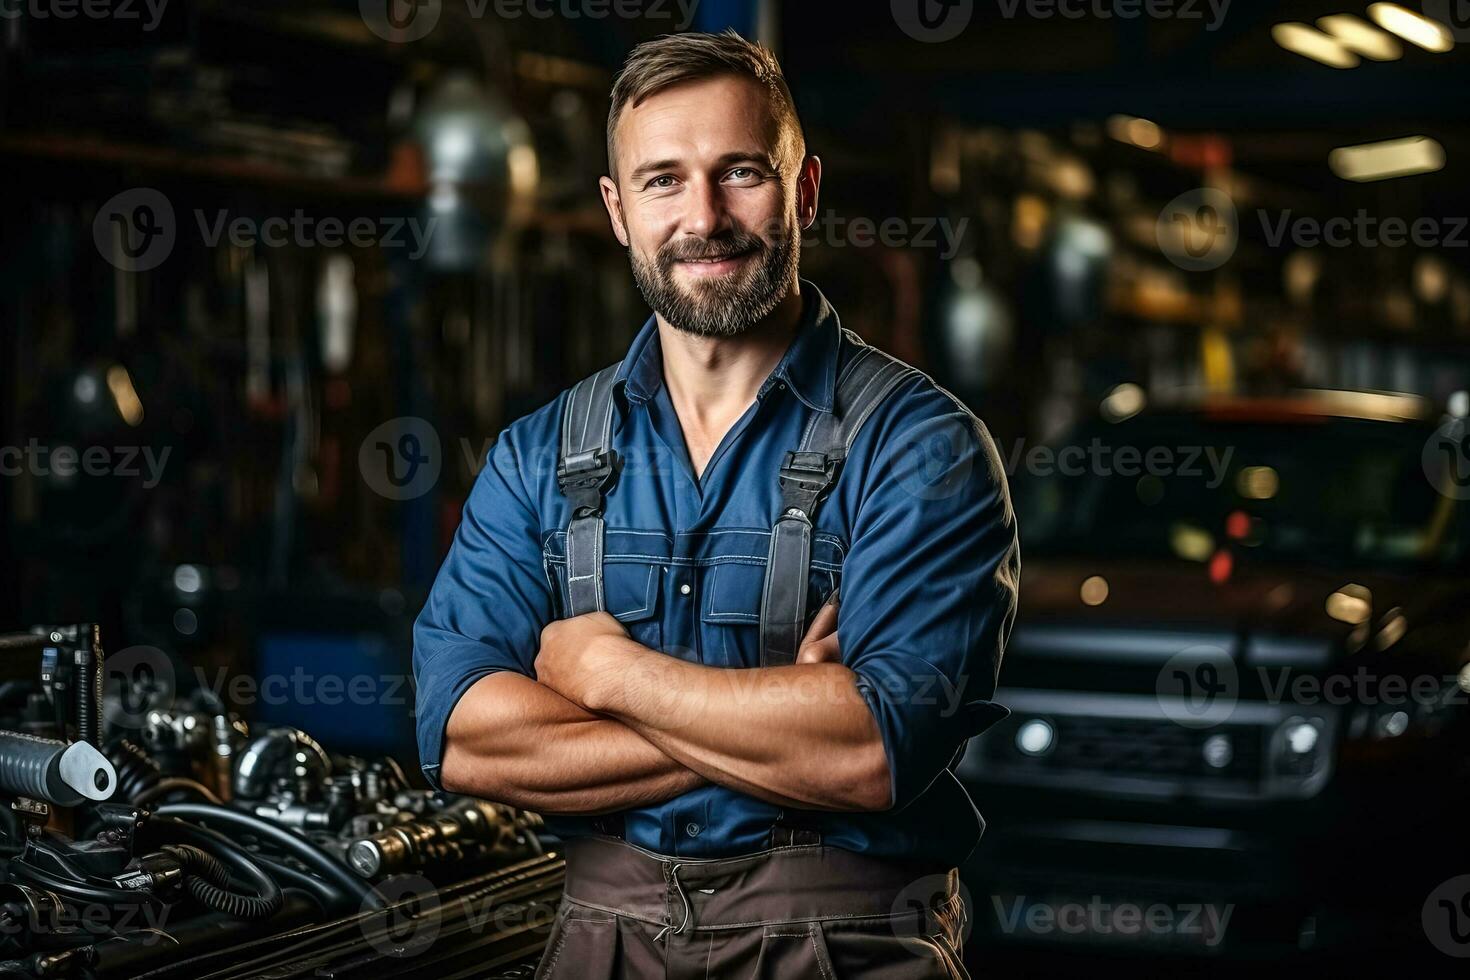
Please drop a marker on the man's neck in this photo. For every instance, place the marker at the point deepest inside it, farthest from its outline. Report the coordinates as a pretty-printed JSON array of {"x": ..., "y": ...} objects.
[{"x": 712, "y": 380}]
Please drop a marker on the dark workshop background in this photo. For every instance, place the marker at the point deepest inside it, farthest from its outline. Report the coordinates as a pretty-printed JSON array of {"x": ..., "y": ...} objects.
[{"x": 1058, "y": 210}]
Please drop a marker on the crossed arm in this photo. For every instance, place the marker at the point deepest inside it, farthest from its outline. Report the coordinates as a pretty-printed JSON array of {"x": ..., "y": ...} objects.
[{"x": 610, "y": 724}]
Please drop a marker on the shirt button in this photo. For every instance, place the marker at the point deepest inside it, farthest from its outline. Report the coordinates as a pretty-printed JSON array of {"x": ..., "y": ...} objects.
[
  {"x": 692, "y": 829},
  {"x": 685, "y": 589}
]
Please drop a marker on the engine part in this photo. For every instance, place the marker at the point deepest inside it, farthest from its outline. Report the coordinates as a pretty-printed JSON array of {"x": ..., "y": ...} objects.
[
  {"x": 51, "y": 770},
  {"x": 281, "y": 753},
  {"x": 298, "y": 847},
  {"x": 467, "y": 830}
]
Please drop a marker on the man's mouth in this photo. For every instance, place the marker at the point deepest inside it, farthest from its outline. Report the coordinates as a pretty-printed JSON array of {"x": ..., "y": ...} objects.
[{"x": 717, "y": 265}]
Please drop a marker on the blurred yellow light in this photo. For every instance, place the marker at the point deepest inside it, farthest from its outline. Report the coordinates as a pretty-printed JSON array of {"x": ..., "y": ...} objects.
[
  {"x": 1431, "y": 279},
  {"x": 129, "y": 405},
  {"x": 1394, "y": 628},
  {"x": 1350, "y": 604},
  {"x": 1142, "y": 133},
  {"x": 1123, "y": 402},
  {"x": 1257, "y": 483},
  {"x": 1307, "y": 41},
  {"x": 1029, "y": 217},
  {"x": 1430, "y": 35},
  {"x": 1095, "y": 591},
  {"x": 1390, "y": 158},
  {"x": 1361, "y": 37},
  {"x": 1191, "y": 543}
]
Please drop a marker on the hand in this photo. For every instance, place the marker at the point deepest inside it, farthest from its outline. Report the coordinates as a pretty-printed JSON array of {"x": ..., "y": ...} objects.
[
  {"x": 820, "y": 643},
  {"x": 573, "y": 653}
]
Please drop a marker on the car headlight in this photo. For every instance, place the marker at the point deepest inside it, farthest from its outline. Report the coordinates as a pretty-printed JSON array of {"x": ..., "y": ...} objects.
[
  {"x": 1297, "y": 746},
  {"x": 1035, "y": 737}
]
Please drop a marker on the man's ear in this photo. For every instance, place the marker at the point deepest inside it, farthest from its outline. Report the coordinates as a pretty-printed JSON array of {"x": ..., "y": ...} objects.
[
  {"x": 808, "y": 186},
  {"x": 614, "y": 205}
]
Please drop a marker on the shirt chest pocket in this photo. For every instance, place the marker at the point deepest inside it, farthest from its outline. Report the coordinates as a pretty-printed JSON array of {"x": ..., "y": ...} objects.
[
  {"x": 633, "y": 568},
  {"x": 731, "y": 591}
]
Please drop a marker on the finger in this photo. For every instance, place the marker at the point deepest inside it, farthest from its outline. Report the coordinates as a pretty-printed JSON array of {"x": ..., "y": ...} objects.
[
  {"x": 825, "y": 650},
  {"x": 825, "y": 621}
]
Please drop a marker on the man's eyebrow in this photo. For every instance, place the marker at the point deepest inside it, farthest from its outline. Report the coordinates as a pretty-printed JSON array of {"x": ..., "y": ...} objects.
[{"x": 735, "y": 156}]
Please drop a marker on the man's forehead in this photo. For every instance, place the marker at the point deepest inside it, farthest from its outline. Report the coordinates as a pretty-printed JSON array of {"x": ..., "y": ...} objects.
[{"x": 697, "y": 119}]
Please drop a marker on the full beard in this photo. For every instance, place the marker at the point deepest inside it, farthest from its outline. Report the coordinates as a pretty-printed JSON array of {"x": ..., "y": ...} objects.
[{"x": 723, "y": 306}]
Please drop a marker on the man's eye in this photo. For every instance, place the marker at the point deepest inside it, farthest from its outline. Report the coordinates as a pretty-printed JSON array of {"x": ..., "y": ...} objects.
[
  {"x": 666, "y": 180},
  {"x": 743, "y": 173}
]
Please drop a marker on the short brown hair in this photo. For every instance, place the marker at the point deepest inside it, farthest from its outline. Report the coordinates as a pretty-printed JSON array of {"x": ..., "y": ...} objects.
[{"x": 674, "y": 58}]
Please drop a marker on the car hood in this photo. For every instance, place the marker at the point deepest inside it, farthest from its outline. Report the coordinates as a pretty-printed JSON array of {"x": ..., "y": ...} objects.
[{"x": 1300, "y": 613}]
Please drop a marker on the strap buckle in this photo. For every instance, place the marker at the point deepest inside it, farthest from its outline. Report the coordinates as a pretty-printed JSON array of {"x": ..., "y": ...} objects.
[
  {"x": 585, "y": 478},
  {"x": 805, "y": 476}
]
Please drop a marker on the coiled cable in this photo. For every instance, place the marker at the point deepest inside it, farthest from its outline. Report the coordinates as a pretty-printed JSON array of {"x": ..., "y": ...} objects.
[{"x": 207, "y": 880}]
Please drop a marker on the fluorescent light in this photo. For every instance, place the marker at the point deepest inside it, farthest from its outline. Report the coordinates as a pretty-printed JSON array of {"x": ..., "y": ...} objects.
[
  {"x": 1361, "y": 37},
  {"x": 1307, "y": 41},
  {"x": 1391, "y": 158},
  {"x": 1430, "y": 35}
]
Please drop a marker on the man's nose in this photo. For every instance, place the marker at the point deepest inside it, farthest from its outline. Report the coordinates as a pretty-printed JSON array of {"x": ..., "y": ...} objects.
[{"x": 705, "y": 214}]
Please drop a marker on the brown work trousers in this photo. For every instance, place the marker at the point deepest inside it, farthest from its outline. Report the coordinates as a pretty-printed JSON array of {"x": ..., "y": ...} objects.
[{"x": 808, "y": 910}]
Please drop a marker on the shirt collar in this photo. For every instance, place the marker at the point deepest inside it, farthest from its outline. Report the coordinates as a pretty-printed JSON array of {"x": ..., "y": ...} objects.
[{"x": 809, "y": 366}]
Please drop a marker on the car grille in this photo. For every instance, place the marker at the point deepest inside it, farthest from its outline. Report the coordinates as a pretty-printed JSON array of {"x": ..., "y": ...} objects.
[{"x": 1133, "y": 747}]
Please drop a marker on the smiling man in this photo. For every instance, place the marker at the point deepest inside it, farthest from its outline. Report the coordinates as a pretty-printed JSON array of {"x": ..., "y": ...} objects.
[{"x": 751, "y": 777}]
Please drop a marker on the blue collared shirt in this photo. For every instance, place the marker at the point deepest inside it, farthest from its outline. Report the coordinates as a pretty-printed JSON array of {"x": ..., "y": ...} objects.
[{"x": 918, "y": 532}]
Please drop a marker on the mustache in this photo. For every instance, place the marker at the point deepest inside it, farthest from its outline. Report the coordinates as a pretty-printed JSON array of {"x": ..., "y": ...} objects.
[{"x": 724, "y": 247}]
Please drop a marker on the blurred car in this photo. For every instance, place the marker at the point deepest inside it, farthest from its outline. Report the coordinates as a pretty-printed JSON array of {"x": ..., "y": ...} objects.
[{"x": 1238, "y": 685}]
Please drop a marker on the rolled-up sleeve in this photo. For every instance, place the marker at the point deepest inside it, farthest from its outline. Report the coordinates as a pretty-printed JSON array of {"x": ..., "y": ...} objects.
[
  {"x": 488, "y": 604},
  {"x": 929, "y": 589}
]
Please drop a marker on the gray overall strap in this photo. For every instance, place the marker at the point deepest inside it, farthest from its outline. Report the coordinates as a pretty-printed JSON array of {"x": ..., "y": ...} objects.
[
  {"x": 586, "y": 470},
  {"x": 806, "y": 475}
]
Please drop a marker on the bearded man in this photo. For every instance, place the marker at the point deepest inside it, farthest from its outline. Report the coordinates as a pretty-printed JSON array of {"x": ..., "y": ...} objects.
[{"x": 645, "y": 644}]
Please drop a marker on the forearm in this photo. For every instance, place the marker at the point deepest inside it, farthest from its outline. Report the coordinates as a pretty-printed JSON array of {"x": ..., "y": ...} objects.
[
  {"x": 515, "y": 741},
  {"x": 798, "y": 735}
]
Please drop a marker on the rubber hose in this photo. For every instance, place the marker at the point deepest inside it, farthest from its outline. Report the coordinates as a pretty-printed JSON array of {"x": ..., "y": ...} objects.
[
  {"x": 197, "y": 861},
  {"x": 136, "y": 769},
  {"x": 168, "y": 784},
  {"x": 200, "y": 866},
  {"x": 320, "y": 862},
  {"x": 330, "y": 898}
]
